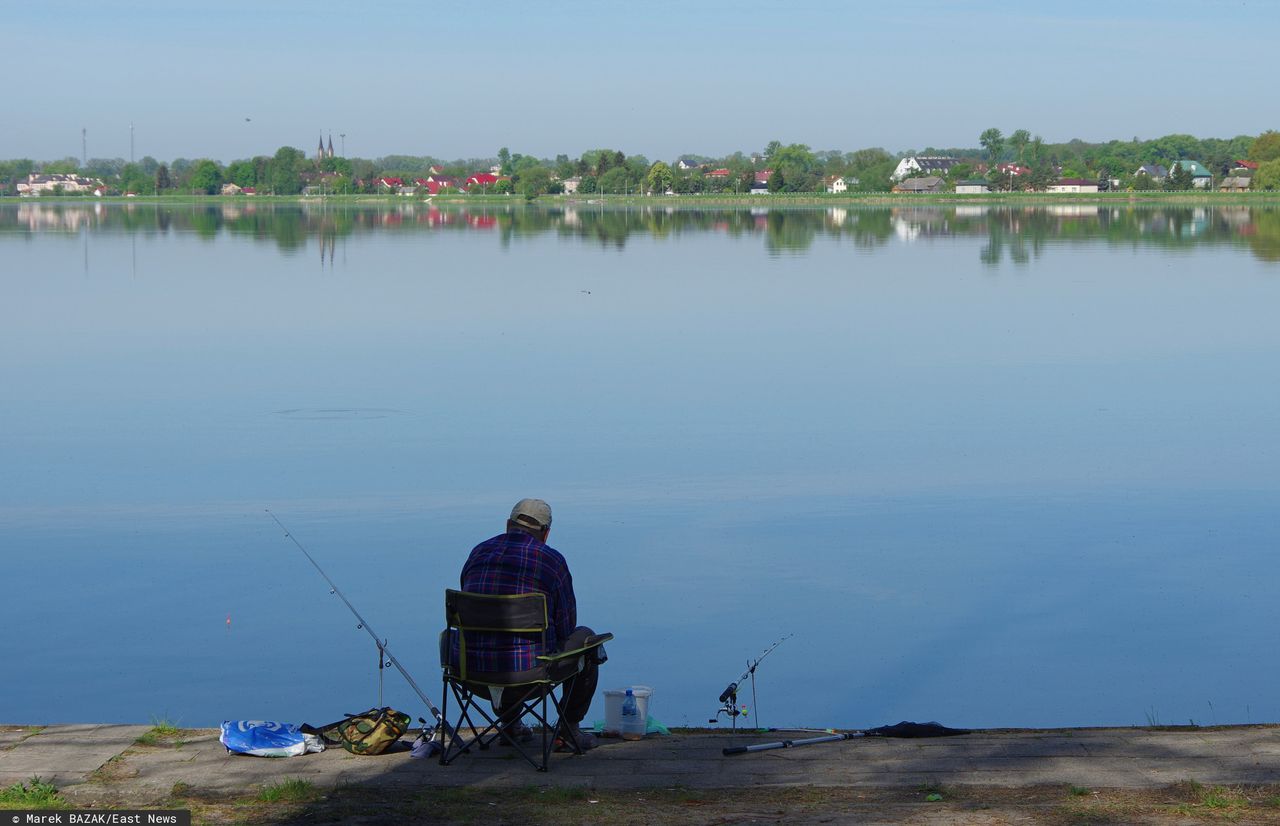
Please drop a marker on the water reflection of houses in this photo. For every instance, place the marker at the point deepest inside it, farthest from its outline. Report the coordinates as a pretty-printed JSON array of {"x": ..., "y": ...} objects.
[
  {"x": 1073, "y": 210},
  {"x": 482, "y": 220},
  {"x": 38, "y": 217},
  {"x": 436, "y": 217},
  {"x": 915, "y": 223},
  {"x": 1020, "y": 233},
  {"x": 1180, "y": 223}
]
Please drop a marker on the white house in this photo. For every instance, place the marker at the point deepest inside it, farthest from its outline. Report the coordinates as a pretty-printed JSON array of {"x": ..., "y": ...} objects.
[
  {"x": 685, "y": 164},
  {"x": 571, "y": 185},
  {"x": 1073, "y": 185},
  {"x": 838, "y": 185},
  {"x": 921, "y": 164}
]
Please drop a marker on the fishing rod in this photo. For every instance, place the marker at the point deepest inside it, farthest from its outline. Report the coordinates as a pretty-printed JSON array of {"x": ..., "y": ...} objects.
[
  {"x": 729, "y": 697},
  {"x": 791, "y": 744},
  {"x": 903, "y": 729},
  {"x": 384, "y": 653}
]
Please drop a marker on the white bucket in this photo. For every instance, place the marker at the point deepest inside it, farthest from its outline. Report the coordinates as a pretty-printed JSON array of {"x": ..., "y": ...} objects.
[{"x": 613, "y": 698}]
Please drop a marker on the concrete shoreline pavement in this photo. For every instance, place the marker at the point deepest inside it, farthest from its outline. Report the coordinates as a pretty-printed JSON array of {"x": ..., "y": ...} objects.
[{"x": 95, "y": 764}]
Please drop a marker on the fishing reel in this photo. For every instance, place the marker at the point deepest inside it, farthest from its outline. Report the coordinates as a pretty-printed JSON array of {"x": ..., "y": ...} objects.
[{"x": 730, "y": 707}]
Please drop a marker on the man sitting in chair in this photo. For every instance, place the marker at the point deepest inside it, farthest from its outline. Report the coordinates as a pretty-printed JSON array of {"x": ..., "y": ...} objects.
[{"x": 518, "y": 562}]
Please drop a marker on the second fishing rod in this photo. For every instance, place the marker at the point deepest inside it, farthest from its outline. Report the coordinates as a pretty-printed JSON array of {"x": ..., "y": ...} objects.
[
  {"x": 384, "y": 654},
  {"x": 729, "y": 697}
]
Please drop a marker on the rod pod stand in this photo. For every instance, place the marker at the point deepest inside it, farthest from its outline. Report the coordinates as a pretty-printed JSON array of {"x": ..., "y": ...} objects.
[{"x": 729, "y": 697}]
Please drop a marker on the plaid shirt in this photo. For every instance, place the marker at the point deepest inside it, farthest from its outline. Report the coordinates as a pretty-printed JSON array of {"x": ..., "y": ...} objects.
[{"x": 517, "y": 563}]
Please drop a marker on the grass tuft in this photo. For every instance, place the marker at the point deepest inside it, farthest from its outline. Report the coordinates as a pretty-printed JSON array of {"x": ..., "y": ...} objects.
[
  {"x": 1218, "y": 799},
  {"x": 1079, "y": 791},
  {"x": 34, "y": 794},
  {"x": 1221, "y": 798},
  {"x": 292, "y": 790},
  {"x": 163, "y": 732}
]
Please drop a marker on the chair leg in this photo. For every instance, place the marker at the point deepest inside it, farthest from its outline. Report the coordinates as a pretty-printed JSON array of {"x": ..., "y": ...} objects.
[
  {"x": 562, "y": 730},
  {"x": 539, "y": 706},
  {"x": 445, "y": 737},
  {"x": 460, "y": 743}
]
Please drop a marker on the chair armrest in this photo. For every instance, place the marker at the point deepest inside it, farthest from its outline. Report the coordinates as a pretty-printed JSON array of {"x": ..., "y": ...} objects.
[{"x": 593, "y": 641}]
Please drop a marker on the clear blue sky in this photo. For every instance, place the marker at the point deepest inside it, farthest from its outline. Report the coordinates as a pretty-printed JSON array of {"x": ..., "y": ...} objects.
[{"x": 656, "y": 78}]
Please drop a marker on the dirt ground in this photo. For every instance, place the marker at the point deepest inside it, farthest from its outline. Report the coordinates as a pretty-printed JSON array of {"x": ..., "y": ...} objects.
[{"x": 1184, "y": 803}]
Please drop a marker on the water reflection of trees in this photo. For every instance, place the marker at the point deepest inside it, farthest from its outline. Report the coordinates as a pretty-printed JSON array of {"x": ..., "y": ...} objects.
[{"x": 1019, "y": 234}]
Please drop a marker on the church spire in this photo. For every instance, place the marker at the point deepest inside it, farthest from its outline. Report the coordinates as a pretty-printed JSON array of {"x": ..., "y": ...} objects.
[
  {"x": 320, "y": 151},
  {"x": 330, "y": 150}
]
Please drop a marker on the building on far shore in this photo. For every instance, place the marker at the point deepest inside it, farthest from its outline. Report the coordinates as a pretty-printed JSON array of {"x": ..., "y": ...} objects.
[
  {"x": 1154, "y": 171},
  {"x": 931, "y": 183},
  {"x": 917, "y": 164},
  {"x": 37, "y": 184},
  {"x": 972, "y": 187},
  {"x": 1201, "y": 178},
  {"x": 1235, "y": 183},
  {"x": 1073, "y": 185},
  {"x": 841, "y": 184}
]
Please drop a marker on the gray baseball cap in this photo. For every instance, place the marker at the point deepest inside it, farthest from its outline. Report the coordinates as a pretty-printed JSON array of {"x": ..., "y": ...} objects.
[{"x": 532, "y": 512}]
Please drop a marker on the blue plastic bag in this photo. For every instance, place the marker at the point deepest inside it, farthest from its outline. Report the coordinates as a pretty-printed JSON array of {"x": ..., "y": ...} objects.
[{"x": 263, "y": 738}]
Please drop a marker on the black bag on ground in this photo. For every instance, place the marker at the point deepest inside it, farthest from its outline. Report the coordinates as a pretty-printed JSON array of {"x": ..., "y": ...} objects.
[{"x": 908, "y": 729}]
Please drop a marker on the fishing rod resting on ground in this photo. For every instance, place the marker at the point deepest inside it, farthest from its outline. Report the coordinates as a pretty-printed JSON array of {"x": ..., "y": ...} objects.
[
  {"x": 385, "y": 657},
  {"x": 903, "y": 729},
  {"x": 790, "y": 744},
  {"x": 729, "y": 697}
]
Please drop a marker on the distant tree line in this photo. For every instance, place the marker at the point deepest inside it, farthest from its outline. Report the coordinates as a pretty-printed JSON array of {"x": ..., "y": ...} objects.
[
  {"x": 794, "y": 168},
  {"x": 1120, "y": 160}
]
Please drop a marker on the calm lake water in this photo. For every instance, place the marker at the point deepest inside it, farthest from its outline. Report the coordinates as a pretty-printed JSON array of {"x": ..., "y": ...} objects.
[{"x": 992, "y": 467}]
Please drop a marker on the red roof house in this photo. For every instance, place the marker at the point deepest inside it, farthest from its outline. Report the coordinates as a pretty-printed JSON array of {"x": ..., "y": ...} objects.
[
  {"x": 435, "y": 183},
  {"x": 481, "y": 179}
]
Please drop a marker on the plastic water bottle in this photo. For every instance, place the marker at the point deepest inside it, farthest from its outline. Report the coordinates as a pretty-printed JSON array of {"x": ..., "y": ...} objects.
[{"x": 632, "y": 726}]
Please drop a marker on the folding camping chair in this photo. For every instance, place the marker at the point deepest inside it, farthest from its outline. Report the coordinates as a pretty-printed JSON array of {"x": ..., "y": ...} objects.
[{"x": 522, "y": 615}]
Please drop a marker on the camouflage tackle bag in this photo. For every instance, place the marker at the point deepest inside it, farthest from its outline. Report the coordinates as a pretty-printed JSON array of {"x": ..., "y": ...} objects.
[{"x": 370, "y": 732}]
